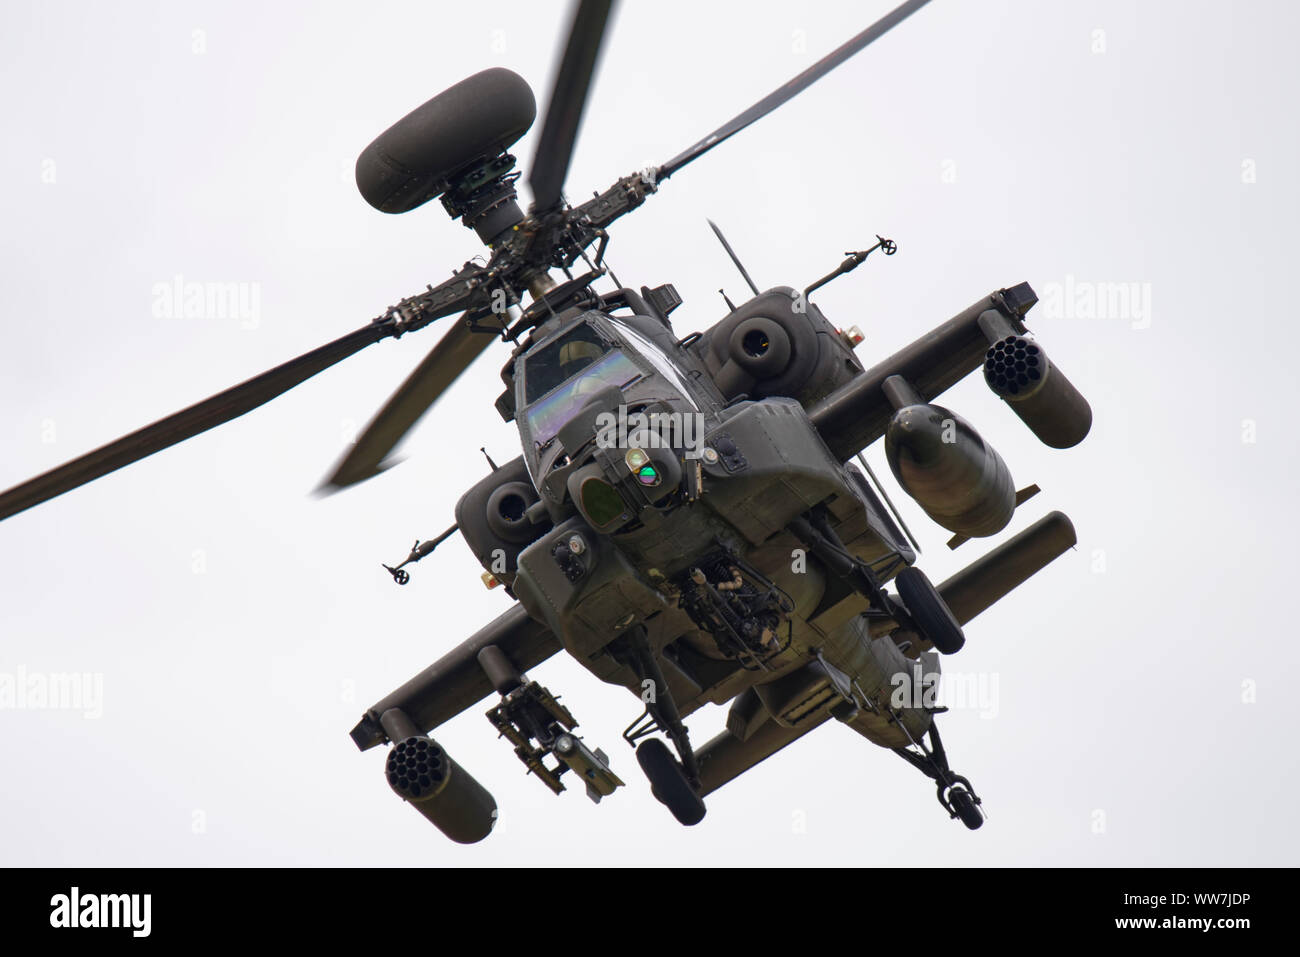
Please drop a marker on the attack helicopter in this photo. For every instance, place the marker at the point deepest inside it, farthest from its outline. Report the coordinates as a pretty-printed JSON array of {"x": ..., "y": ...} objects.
[{"x": 686, "y": 518}]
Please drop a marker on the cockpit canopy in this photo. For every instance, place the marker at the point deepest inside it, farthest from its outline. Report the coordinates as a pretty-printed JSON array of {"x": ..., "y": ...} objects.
[
  {"x": 562, "y": 375},
  {"x": 561, "y": 359},
  {"x": 558, "y": 376}
]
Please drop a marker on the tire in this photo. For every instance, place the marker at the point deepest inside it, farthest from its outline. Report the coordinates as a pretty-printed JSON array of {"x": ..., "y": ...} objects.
[
  {"x": 966, "y": 808},
  {"x": 668, "y": 782},
  {"x": 933, "y": 618}
]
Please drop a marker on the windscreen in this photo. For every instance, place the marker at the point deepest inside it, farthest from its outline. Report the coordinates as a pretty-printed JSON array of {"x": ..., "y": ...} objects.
[
  {"x": 561, "y": 360},
  {"x": 545, "y": 418}
]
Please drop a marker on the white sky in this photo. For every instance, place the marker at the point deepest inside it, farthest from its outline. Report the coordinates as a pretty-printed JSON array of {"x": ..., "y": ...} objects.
[{"x": 240, "y": 627}]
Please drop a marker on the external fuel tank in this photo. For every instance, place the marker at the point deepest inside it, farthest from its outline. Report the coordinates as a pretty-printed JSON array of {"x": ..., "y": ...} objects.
[{"x": 947, "y": 467}]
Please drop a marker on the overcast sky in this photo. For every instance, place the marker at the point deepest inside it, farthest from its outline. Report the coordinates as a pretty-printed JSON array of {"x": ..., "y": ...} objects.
[{"x": 1139, "y": 157}]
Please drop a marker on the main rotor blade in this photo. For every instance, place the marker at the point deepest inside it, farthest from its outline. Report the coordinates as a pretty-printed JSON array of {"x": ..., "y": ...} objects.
[
  {"x": 209, "y": 413},
  {"x": 455, "y": 351},
  {"x": 569, "y": 96},
  {"x": 794, "y": 87}
]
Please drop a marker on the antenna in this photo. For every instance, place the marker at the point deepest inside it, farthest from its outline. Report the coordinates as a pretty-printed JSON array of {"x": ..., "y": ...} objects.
[
  {"x": 732, "y": 253},
  {"x": 888, "y": 246}
]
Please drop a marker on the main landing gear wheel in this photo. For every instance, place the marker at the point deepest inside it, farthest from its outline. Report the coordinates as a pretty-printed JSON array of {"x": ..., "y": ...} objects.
[
  {"x": 964, "y": 804},
  {"x": 933, "y": 618},
  {"x": 668, "y": 782}
]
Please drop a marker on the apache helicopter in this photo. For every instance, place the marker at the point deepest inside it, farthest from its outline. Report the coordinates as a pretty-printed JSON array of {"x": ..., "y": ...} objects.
[{"x": 685, "y": 518}]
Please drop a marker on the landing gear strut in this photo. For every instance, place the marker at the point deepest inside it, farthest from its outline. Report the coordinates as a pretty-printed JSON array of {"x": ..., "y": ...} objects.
[
  {"x": 955, "y": 794},
  {"x": 921, "y": 605},
  {"x": 674, "y": 783}
]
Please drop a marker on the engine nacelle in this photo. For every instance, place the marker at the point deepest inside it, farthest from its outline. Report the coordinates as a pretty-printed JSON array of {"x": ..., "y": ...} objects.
[
  {"x": 953, "y": 474},
  {"x": 426, "y": 777},
  {"x": 492, "y": 517},
  {"x": 777, "y": 344}
]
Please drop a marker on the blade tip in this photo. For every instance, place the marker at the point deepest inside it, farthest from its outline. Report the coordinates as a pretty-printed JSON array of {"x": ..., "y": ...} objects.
[{"x": 343, "y": 479}]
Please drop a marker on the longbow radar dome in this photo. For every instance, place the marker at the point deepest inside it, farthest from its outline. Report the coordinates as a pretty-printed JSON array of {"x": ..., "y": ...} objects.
[{"x": 418, "y": 157}]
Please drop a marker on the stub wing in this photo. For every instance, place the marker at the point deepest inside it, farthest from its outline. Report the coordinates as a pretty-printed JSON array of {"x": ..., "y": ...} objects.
[
  {"x": 456, "y": 681},
  {"x": 858, "y": 413}
]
